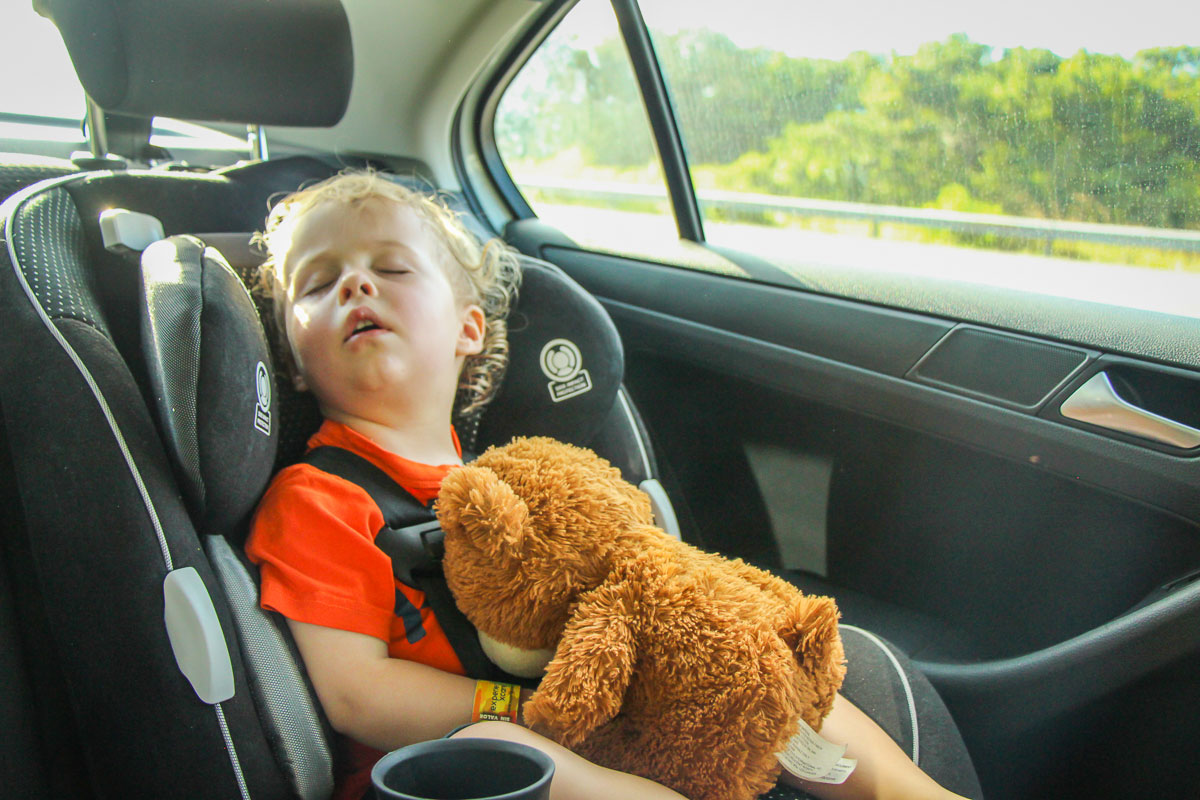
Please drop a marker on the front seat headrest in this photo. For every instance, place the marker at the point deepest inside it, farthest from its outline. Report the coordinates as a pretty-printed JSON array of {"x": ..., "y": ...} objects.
[{"x": 283, "y": 62}]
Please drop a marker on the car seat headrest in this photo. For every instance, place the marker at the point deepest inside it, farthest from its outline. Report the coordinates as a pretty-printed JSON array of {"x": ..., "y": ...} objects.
[
  {"x": 212, "y": 380},
  {"x": 565, "y": 363},
  {"x": 285, "y": 62},
  {"x": 565, "y": 367}
]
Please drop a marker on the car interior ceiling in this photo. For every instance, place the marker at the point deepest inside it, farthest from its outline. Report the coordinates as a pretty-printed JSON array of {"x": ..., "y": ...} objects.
[{"x": 94, "y": 496}]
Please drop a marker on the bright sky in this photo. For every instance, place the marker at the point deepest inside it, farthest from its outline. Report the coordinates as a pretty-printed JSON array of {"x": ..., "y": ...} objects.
[
  {"x": 797, "y": 27},
  {"x": 39, "y": 75},
  {"x": 834, "y": 29}
]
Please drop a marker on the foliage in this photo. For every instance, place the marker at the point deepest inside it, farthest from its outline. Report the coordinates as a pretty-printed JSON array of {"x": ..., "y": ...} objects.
[{"x": 1092, "y": 137}]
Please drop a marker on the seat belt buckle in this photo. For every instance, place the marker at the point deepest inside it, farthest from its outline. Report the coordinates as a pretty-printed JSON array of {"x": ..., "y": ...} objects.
[{"x": 412, "y": 548}]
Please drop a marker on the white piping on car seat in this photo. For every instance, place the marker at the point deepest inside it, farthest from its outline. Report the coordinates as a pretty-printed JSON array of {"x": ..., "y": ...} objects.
[
  {"x": 660, "y": 503},
  {"x": 116, "y": 432},
  {"x": 908, "y": 695},
  {"x": 83, "y": 370},
  {"x": 637, "y": 431},
  {"x": 233, "y": 758},
  {"x": 293, "y": 714}
]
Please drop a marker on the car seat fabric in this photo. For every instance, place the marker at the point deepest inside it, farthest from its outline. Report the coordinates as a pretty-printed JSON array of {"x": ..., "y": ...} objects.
[
  {"x": 92, "y": 540},
  {"x": 565, "y": 377},
  {"x": 102, "y": 517},
  {"x": 28, "y": 723},
  {"x": 888, "y": 687},
  {"x": 565, "y": 367},
  {"x": 18, "y": 170},
  {"x": 209, "y": 367}
]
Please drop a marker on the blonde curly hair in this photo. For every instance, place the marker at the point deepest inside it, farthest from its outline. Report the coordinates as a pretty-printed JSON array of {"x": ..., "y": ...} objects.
[{"x": 489, "y": 273}]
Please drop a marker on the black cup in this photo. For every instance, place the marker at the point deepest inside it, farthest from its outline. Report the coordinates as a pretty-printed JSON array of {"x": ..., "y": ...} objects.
[{"x": 463, "y": 769}]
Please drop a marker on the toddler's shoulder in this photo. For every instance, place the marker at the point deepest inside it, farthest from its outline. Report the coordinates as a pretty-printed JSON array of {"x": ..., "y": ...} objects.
[{"x": 302, "y": 496}]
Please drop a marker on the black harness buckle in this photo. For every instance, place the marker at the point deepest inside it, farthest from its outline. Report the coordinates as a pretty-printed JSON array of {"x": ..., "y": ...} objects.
[{"x": 413, "y": 548}]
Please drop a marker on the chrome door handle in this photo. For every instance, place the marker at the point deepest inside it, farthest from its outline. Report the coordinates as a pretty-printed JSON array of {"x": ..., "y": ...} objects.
[{"x": 1097, "y": 403}]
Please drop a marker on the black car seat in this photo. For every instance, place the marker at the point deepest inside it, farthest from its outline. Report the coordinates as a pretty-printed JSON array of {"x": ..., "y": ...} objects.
[
  {"x": 98, "y": 514},
  {"x": 132, "y": 459},
  {"x": 94, "y": 516}
]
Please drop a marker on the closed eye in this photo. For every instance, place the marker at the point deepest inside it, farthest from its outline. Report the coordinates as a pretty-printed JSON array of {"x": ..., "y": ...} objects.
[
  {"x": 391, "y": 260},
  {"x": 317, "y": 288}
]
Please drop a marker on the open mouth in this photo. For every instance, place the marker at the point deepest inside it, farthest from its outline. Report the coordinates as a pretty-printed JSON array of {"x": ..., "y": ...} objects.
[{"x": 363, "y": 324}]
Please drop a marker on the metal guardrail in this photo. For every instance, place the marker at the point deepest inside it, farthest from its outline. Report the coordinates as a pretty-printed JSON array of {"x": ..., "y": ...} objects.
[{"x": 958, "y": 221}]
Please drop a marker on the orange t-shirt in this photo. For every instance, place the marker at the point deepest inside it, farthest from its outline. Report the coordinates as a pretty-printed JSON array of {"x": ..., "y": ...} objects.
[{"x": 313, "y": 539}]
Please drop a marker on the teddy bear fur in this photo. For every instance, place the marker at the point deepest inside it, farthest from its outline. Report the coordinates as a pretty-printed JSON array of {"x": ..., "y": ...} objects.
[{"x": 670, "y": 663}]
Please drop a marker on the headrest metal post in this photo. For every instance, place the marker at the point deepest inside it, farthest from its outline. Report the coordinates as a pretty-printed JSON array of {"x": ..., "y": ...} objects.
[
  {"x": 97, "y": 132},
  {"x": 256, "y": 137},
  {"x": 97, "y": 155}
]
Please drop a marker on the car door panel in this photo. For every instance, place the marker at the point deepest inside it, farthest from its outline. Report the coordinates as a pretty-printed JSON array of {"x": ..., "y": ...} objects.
[{"x": 942, "y": 496}]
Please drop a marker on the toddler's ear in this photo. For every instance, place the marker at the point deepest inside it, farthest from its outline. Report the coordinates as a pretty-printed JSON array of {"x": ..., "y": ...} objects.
[{"x": 474, "y": 326}]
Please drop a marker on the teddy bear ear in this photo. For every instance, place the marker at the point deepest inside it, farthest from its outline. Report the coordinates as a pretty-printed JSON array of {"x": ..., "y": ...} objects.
[
  {"x": 811, "y": 631},
  {"x": 475, "y": 502}
]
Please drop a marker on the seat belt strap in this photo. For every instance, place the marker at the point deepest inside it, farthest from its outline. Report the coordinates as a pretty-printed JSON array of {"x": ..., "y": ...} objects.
[
  {"x": 398, "y": 506},
  {"x": 411, "y": 535},
  {"x": 412, "y": 539}
]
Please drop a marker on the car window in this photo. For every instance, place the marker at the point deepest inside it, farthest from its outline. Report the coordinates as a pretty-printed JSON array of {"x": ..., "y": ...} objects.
[
  {"x": 572, "y": 131},
  {"x": 42, "y": 105},
  {"x": 1037, "y": 151},
  {"x": 41, "y": 100}
]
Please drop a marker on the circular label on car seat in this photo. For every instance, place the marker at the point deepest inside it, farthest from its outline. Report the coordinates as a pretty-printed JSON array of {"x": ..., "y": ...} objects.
[
  {"x": 562, "y": 363},
  {"x": 560, "y": 359}
]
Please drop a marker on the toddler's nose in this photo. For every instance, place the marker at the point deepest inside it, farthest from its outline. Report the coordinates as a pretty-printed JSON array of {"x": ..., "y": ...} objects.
[{"x": 356, "y": 283}]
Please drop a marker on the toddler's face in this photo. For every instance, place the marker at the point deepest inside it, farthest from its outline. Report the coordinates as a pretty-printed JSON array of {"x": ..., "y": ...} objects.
[{"x": 369, "y": 307}]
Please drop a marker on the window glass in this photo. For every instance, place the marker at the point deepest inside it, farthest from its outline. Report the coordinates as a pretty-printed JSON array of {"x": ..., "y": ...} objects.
[
  {"x": 41, "y": 98},
  {"x": 572, "y": 131},
  {"x": 1023, "y": 144},
  {"x": 42, "y": 105}
]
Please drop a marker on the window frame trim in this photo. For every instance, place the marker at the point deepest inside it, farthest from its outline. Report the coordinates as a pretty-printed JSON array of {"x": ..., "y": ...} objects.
[
  {"x": 660, "y": 115},
  {"x": 660, "y": 112}
]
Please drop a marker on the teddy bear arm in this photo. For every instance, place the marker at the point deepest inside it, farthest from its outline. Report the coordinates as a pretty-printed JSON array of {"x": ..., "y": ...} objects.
[{"x": 584, "y": 686}]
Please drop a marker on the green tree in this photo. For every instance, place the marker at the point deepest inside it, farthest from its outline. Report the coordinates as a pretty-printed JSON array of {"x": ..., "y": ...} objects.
[{"x": 1092, "y": 137}]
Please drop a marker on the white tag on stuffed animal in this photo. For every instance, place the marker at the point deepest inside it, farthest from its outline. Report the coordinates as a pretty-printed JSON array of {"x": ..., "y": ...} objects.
[{"x": 810, "y": 756}]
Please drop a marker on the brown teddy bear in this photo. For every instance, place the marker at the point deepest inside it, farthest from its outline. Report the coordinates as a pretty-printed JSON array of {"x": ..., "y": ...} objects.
[{"x": 664, "y": 661}]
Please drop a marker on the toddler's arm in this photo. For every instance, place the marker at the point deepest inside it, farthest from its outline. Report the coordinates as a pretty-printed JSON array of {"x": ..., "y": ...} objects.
[
  {"x": 382, "y": 702},
  {"x": 389, "y": 702}
]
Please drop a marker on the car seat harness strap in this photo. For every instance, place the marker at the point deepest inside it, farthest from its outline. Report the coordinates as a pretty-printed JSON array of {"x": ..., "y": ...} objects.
[{"x": 413, "y": 539}]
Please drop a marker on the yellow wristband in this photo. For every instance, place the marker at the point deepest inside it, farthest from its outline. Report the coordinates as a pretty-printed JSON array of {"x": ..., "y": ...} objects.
[{"x": 496, "y": 701}]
